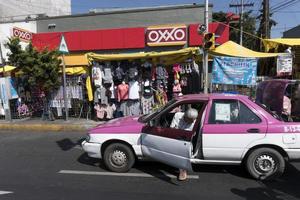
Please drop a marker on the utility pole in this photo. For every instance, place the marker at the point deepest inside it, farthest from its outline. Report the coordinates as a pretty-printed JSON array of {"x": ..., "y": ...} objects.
[
  {"x": 266, "y": 11},
  {"x": 205, "y": 52},
  {"x": 241, "y": 5}
]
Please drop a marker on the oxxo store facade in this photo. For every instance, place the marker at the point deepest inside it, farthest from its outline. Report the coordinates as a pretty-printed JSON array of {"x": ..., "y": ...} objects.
[{"x": 131, "y": 71}]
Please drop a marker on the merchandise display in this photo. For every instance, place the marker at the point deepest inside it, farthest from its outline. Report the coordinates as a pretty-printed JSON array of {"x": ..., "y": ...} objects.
[{"x": 137, "y": 87}]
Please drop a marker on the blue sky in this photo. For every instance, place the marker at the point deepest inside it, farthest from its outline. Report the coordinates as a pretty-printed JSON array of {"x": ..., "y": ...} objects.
[{"x": 286, "y": 18}]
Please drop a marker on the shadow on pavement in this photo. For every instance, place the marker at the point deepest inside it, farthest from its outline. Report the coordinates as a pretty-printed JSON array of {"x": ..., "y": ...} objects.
[
  {"x": 67, "y": 144},
  {"x": 235, "y": 170},
  {"x": 86, "y": 160},
  {"x": 286, "y": 187},
  {"x": 157, "y": 170},
  {"x": 154, "y": 169}
]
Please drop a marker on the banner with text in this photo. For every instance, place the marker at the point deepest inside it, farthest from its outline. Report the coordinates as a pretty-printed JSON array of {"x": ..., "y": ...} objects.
[
  {"x": 284, "y": 64},
  {"x": 234, "y": 71}
]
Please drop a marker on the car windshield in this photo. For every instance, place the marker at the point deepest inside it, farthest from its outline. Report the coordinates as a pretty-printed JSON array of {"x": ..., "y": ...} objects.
[
  {"x": 149, "y": 116},
  {"x": 273, "y": 113}
]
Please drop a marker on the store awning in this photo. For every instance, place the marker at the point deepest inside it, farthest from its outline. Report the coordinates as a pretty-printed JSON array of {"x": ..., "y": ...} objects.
[
  {"x": 274, "y": 43},
  {"x": 76, "y": 60},
  {"x": 167, "y": 56},
  {"x": 233, "y": 49},
  {"x": 7, "y": 68}
]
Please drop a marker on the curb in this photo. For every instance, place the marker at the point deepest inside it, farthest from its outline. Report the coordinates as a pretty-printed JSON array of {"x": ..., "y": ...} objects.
[{"x": 45, "y": 127}]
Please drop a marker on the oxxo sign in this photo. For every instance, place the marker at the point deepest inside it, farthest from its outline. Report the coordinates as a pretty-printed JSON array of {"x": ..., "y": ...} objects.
[
  {"x": 166, "y": 35},
  {"x": 24, "y": 35}
]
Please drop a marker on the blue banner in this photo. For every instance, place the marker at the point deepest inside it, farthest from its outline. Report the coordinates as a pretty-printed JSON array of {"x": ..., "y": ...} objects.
[{"x": 234, "y": 71}]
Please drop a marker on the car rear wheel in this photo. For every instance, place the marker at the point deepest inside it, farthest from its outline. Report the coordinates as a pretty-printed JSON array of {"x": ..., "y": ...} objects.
[
  {"x": 118, "y": 157},
  {"x": 265, "y": 164}
]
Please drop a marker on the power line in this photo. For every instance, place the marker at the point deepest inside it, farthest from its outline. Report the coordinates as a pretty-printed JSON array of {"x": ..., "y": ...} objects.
[{"x": 250, "y": 34}]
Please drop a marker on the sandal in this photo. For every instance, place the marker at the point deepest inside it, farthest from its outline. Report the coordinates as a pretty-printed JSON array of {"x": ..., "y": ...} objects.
[{"x": 182, "y": 175}]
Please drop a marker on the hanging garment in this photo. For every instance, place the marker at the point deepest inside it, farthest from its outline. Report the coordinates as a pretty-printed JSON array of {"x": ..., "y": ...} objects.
[
  {"x": 134, "y": 89},
  {"x": 176, "y": 70},
  {"x": 147, "y": 104},
  {"x": 104, "y": 97},
  {"x": 59, "y": 112},
  {"x": 2, "y": 111},
  {"x": 119, "y": 74},
  {"x": 161, "y": 97},
  {"x": 97, "y": 75},
  {"x": 176, "y": 88},
  {"x": 100, "y": 111},
  {"x": 132, "y": 73},
  {"x": 110, "y": 111},
  {"x": 124, "y": 108},
  {"x": 146, "y": 88},
  {"x": 134, "y": 107},
  {"x": 112, "y": 90},
  {"x": 123, "y": 90},
  {"x": 161, "y": 76},
  {"x": 97, "y": 95},
  {"x": 107, "y": 74}
]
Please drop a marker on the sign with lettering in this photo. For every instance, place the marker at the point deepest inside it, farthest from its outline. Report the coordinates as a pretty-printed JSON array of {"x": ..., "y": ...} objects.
[
  {"x": 24, "y": 35},
  {"x": 166, "y": 35}
]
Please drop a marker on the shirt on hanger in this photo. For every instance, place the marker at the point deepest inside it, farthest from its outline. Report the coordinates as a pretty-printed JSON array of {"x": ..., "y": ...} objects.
[
  {"x": 123, "y": 92},
  {"x": 134, "y": 89}
]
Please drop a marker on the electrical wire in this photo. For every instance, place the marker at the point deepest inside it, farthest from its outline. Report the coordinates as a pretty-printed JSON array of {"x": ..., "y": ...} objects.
[{"x": 250, "y": 34}]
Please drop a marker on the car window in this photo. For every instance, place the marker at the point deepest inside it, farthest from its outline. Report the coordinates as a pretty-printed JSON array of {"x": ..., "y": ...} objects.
[
  {"x": 231, "y": 112},
  {"x": 182, "y": 116},
  {"x": 247, "y": 116}
]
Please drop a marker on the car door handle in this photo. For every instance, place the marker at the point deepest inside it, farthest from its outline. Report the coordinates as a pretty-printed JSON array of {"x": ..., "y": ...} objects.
[{"x": 253, "y": 130}]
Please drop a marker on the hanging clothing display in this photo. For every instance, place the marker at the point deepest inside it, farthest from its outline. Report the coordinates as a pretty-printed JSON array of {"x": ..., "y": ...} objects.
[
  {"x": 119, "y": 73},
  {"x": 107, "y": 73},
  {"x": 100, "y": 111},
  {"x": 147, "y": 104},
  {"x": 123, "y": 90},
  {"x": 97, "y": 75},
  {"x": 110, "y": 111},
  {"x": 134, "y": 89},
  {"x": 133, "y": 107},
  {"x": 137, "y": 87}
]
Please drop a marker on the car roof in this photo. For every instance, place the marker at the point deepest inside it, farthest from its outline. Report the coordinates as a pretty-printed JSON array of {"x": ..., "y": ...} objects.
[{"x": 202, "y": 96}]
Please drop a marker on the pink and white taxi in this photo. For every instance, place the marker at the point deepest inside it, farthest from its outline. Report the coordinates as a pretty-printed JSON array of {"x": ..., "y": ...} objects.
[{"x": 230, "y": 129}]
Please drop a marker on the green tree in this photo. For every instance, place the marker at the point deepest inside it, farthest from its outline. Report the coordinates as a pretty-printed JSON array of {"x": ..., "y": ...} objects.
[
  {"x": 41, "y": 69},
  {"x": 249, "y": 39}
]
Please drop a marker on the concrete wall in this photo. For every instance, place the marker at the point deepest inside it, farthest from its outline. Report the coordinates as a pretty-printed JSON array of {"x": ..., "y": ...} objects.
[
  {"x": 19, "y": 9},
  {"x": 144, "y": 17}
]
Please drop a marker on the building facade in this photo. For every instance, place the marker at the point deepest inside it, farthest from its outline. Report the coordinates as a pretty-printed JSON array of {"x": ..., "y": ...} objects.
[{"x": 21, "y": 9}]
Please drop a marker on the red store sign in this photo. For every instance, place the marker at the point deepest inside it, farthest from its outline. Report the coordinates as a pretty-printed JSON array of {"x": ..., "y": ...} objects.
[
  {"x": 24, "y": 35},
  {"x": 166, "y": 35}
]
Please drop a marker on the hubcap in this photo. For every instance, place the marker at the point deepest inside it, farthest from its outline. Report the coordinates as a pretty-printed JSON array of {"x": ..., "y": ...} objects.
[
  {"x": 265, "y": 163},
  {"x": 118, "y": 158}
]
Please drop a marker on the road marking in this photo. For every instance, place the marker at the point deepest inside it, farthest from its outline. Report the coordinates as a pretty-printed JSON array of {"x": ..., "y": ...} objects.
[
  {"x": 142, "y": 175},
  {"x": 5, "y": 192}
]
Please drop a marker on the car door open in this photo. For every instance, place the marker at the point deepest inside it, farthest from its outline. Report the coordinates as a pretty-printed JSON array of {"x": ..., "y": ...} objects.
[{"x": 168, "y": 145}]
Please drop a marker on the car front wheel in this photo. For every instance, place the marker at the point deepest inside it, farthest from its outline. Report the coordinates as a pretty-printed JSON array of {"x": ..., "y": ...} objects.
[
  {"x": 265, "y": 164},
  {"x": 118, "y": 157}
]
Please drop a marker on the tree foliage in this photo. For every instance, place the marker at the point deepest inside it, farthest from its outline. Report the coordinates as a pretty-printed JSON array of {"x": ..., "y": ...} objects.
[
  {"x": 41, "y": 68},
  {"x": 249, "y": 39}
]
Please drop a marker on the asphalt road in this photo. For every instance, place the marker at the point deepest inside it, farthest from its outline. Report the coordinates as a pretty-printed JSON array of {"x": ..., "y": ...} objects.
[{"x": 52, "y": 166}]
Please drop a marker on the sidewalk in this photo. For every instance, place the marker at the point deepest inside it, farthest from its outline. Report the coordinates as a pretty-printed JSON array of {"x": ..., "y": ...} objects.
[{"x": 37, "y": 124}]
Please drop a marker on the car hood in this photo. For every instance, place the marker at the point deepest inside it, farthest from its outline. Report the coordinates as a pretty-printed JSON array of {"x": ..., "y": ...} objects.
[{"x": 120, "y": 125}]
